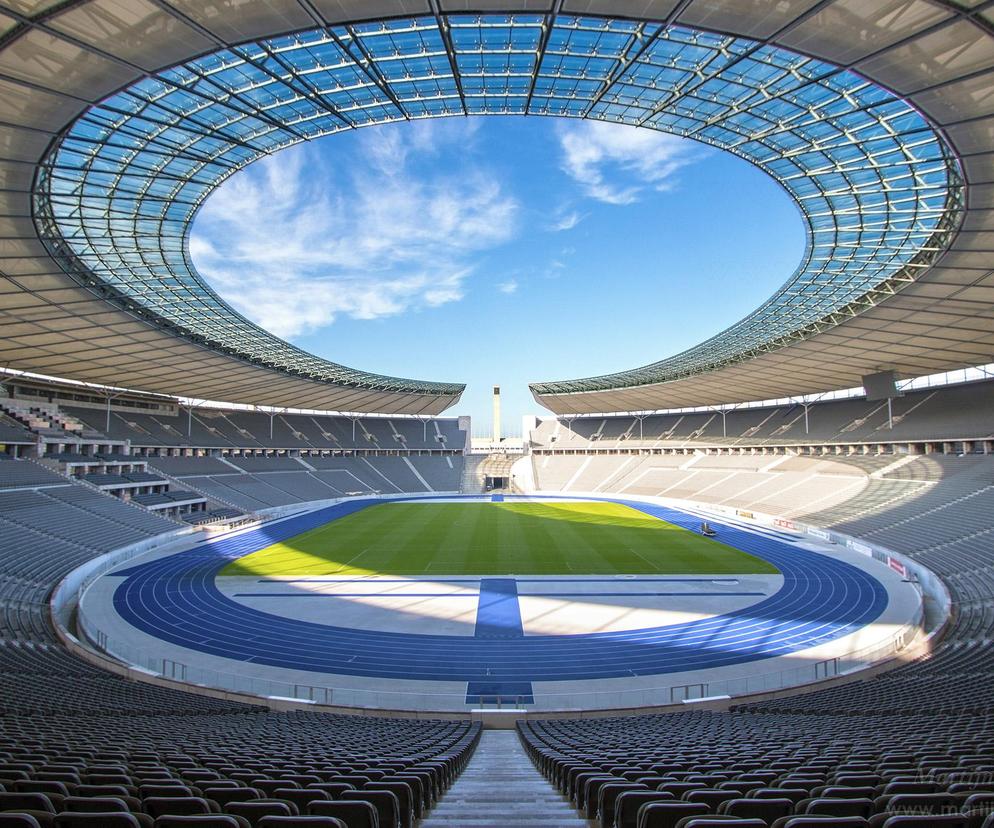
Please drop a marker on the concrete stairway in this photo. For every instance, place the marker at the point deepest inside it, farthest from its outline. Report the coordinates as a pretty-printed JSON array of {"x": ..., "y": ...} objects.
[
  {"x": 478, "y": 467},
  {"x": 500, "y": 788},
  {"x": 472, "y": 478}
]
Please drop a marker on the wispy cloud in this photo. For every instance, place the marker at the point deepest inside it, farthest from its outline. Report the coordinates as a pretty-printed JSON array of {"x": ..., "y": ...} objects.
[
  {"x": 294, "y": 242},
  {"x": 559, "y": 263},
  {"x": 615, "y": 164},
  {"x": 510, "y": 286},
  {"x": 566, "y": 221},
  {"x": 389, "y": 150}
]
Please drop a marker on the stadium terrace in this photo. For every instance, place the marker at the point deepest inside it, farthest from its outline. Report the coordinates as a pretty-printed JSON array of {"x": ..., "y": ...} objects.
[{"x": 751, "y": 583}]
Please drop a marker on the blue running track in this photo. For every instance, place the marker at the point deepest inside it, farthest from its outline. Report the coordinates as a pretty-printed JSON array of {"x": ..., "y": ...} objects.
[{"x": 175, "y": 599}]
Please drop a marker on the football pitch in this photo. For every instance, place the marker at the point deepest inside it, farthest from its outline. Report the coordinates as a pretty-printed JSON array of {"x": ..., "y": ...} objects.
[{"x": 508, "y": 538}]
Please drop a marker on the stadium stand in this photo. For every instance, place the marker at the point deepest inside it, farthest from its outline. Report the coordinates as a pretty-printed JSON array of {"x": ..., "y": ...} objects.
[
  {"x": 916, "y": 741},
  {"x": 955, "y": 412},
  {"x": 649, "y": 771},
  {"x": 719, "y": 764},
  {"x": 830, "y": 491},
  {"x": 215, "y": 465},
  {"x": 20, "y": 473},
  {"x": 282, "y": 481},
  {"x": 875, "y": 115},
  {"x": 216, "y": 428},
  {"x": 273, "y": 462},
  {"x": 126, "y": 477},
  {"x": 185, "y": 466},
  {"x": 75, "y": 739},
  {"x": 925, "y": 724},
  {"x": 13, "y": 433},
  {"x": 76, "y": 514}
]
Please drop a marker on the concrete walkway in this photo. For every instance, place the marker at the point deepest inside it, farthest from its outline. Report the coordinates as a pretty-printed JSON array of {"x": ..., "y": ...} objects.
[{"x": 501, "y": 788}]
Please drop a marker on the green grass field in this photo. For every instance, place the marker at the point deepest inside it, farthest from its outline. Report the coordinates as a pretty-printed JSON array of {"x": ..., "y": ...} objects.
[{"x": 498, "y": 539}]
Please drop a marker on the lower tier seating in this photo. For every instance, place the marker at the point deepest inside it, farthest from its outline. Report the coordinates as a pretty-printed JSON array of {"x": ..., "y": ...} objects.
[
  {"x": 80, "y": 746},
  {"x": 917, "y": 742},
  {"x": 762, "y": 770},
  {"x": 231, "y": 762},
  {"x": 272, "y": 483}
]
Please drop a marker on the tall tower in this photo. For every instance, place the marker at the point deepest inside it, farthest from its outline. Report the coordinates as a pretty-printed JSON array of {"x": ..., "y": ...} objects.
[{"x": 496, "y": 432}]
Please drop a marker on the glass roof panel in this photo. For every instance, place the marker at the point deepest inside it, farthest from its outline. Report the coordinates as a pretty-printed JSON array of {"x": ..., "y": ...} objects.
[{"x": 879, "y": 190}]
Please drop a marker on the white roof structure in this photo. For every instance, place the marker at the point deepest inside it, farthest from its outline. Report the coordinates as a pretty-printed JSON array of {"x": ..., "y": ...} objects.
[{"x": 119, "y": 117}]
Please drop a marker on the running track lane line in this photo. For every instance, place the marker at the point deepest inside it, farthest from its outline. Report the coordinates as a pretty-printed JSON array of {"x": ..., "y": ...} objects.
[{"x": 175, "y": 599}]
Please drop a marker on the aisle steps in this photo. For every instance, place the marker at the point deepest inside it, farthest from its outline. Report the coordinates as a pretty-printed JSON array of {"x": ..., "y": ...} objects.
[{"x": 500, "y": 788}]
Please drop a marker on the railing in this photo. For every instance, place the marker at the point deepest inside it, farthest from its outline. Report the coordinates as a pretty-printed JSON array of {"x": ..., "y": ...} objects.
[
  {"x": 610, "y": 698},
  {"x": 675, "y": 693}
]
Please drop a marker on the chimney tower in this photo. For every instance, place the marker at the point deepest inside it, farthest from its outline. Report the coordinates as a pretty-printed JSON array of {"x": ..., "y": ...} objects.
[{"x": 496, "y": 431}]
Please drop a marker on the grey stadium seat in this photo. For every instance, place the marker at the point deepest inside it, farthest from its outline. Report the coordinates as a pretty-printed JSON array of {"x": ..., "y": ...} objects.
[
  {"x": 626, "y": 807},
  {"x": 668, "y": 814},
  {"x": 386, "y": 804},
  {"x": 721, "y": 822},
  {"x": 355, "y": 814},
  {"x": 96, "y": 819},
  {"x": 18, "y": 821},
  {"x": 825, "y": 806},
  {"x": 767, "y": 810},
  {"x": 254, "y": 810},
  {"x": 201, "y": 821}
]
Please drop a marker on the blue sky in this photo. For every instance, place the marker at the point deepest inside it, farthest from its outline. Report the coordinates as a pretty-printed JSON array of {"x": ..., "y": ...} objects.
[{"x": 498, "y": 250}]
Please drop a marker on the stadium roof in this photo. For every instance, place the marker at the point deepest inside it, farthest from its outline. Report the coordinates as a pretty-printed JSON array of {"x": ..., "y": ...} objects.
[{"x": 118, "y": 118}]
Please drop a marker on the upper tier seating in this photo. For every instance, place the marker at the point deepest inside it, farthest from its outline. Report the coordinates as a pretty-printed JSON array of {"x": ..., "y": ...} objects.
[
  {"x": 216, "y": 428},
  {"x": 955, "y": 412}
]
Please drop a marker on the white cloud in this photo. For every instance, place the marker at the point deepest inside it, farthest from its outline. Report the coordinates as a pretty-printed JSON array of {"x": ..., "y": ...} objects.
[
  {"x": 389, "y": 148},
  {"x": 615, "y": 163},
  {"x": 510, "y": 286},
  {"x": 566, "y": 221},
  {"x": 557, "y": 265},
  {"x": 293, "y": 242}
]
